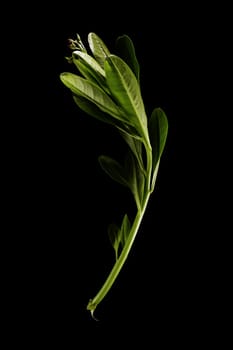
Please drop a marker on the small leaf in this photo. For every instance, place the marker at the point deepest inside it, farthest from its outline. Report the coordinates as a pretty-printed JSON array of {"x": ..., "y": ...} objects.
[
  {"x": 125, "y": 230},
  {"x": 140, "y": 185},
  {"x": 118, "y": 236},
  {"x": 136, "y": 147},
  {"x": 98, "y": 48},
  {"x": 158, "y": 129},
  {"x": 113, "y": 169},
  {"x": 114, "y": 237},
  {"x": 89, "y": 60},
  {"x": 125, "y": 49},
  {"x": 135, "y": 178}
]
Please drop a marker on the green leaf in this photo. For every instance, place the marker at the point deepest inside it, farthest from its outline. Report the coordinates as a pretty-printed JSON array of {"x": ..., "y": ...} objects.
[
  {"x": 114, "y": 237},
  {"x": 129, "y": 131},
  {"x": 136, "y": 147},
  {"x": 125, "y": 230},
  {"x": 98, "y": 48},
  {"x": 113, "y": 169},
  {"x": 129, "y": 175},
  {"x": 89, "y": 60},
  {"x": 94, "y": 111},
  {"x": 92, "y": 92},
  {"x": 140, "y": 186},
  {"x": 125, "y": 49},
  {"x": 125, "y": 89},
  {"x": 90, "y": 74},
  {"x": 118, "y": 236},
  {"x": 158, "y": 129},
  {"x": 135, "y": 178}
]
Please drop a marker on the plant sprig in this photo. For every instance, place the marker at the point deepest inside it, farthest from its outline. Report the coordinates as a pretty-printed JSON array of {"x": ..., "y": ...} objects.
[{"x": 108, "y": 88}]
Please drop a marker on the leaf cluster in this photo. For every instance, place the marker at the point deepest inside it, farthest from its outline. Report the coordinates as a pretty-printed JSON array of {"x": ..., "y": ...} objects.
[{"x": 107, "y": 87}]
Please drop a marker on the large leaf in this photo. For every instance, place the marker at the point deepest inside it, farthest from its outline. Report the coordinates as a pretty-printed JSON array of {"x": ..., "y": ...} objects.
[
  {"x": 98, "y": 48},
  {"x": 92, "y": 92},
  {"x": 125, "y": 49},
  {"x": 125, "y": 89},
  {"x": 158, "y": 129},
  {"x": 91, "y": 109}
]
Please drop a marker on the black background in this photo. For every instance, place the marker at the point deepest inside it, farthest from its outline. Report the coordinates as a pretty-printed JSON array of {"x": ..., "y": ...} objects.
[{"x": 63, "y": 201}]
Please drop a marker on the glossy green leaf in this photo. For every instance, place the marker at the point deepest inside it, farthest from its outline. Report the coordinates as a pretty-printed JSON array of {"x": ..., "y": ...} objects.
[
  {"x": 125, "y": 49},
  {"x": 125, "y": 89},
  {"x": 92, "y": 92},
  {"x": 98, "y": 48}
]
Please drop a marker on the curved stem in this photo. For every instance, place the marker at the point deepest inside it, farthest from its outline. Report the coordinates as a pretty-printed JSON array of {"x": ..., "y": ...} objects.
[{"x": 120, "y": 262}]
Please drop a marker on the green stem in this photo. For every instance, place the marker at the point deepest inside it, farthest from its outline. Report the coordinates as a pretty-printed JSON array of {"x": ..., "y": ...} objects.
[
  {"x": 148, "y": 166},
  {"x": 120, "y": 262}
]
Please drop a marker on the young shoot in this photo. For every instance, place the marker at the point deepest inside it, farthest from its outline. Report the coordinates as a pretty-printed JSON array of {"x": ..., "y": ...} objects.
[{"x": 107, "y": 87}]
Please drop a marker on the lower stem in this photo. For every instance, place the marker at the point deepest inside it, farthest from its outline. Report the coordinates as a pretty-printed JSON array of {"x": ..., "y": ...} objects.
[{"x": 121, "y": 260}]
